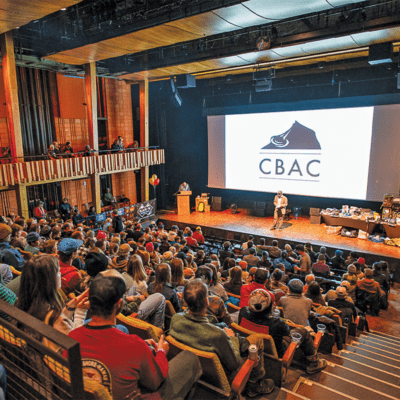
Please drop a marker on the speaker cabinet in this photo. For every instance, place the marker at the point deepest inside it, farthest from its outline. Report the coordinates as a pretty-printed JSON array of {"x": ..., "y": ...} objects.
[
  {"x": 315, "y": 211},
  {"x": 216, "y": 204},
  {"x": 186, "y": 81},
  {"x": 315, "y": 220}
]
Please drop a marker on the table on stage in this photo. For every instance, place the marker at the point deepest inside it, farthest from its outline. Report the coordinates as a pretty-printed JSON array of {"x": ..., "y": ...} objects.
[
  {"x": 184, "y": 203},
  {"x": 392, "y": 232},
  {"x": 350, "y": 223}
]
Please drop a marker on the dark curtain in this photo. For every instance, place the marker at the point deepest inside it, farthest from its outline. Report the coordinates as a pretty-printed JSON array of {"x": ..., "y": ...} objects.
[
  {"x": 37, "y": 122},
  {"x": 49, "y": 193}
]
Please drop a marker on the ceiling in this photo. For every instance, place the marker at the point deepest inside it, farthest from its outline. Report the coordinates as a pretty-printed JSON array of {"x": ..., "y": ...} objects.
[{"x": 216, "y": 42}]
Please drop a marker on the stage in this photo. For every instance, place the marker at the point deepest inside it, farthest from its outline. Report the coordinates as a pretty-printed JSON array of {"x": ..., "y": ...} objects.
[{"x": 239, "y": 226}]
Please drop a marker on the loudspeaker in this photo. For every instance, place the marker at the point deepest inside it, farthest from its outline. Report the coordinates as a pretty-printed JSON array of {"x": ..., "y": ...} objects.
[
  {"x": 315, "y": 220},
  {"x": 315, "y": 211},
  {"x": 186, "y": 81},
  {"x": 216, "y": 204},
  {"x": 176, "y": 99}
]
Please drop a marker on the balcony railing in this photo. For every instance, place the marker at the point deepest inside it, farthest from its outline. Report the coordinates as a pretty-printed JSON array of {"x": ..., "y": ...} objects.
[{"x": 77, "y": 167}]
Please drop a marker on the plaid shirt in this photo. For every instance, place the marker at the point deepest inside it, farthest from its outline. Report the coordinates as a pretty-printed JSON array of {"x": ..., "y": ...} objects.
[
  {"x": 217, "y": 309},
  {"x": 82, "y": 252}
]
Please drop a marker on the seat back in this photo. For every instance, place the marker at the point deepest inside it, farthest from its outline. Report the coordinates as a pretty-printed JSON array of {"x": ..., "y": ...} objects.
[
  {"x": 140, "y": 328},
  {"x": 169, "y": 313},
  {"x": 213, "y": 372}
]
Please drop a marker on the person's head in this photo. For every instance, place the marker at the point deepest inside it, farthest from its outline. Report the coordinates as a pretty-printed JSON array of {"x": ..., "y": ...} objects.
[
  {"x": 235, "y": 274},
  {"x": 252, "y": 272},
  {"x": 260, "y": 302},
  {"x": 101, "y": 244},
  {"x": 299, "y": 248},
  {"x": 65, "y": 200},
  {"x": 250, "y": 244},
  {"x": 95, "y": 262},
  {"x": 321, "y": 258},
  {"x": 51, "y": 147},
  {"x": 33, "y": 239},
  {"x": 50, "y": 247},
  {"x": 16, "y": 230},
  {"x": 105, "y": 294},
  {"x": 368, "y": 273},
  {"x": 205, "y": 274},
  {"x": 277, "y": 275},
  {"x": 262, "y": 241},
  {"x": 124, "y": 250},
  {"x": 67, "y": 249},
  {"x": 135, "y": 268},
  {"x": 177, "y": 271},
  {"x": 338, "y": 253},
  {"x": 354, "y": 255},
  {"x": 295, "y": 286},
  {"x": 284, "y": 255},
  {"x": 288, "y": 248},
  {"x": 361, "y": 261},
  {"x": 275, "y": 243},
  {"x": 322, "y": 250},
  {"x": 341, "y": 292},
  {"x": 92, "y": 208},
  {"x": 261, "y": 276},
  {"x": 265, "y": 255},
  {"x": 309, "y": 278},
  {"x": 242, "y": 264},
  {"x": 215, "y": 276},
  {"x": 279, "y": 193},
  {"x": 351, "y": 269},
  {"x": 313, "y": 290},
  {"x": 252, "y": 251},
  {"x": 385, "y": 266},
  {"x": 184, "y": 183},
  {"x": 163, "y": 275},
  {"x": 77, "y": 235},
  {"x": 40, "y": 281},
  {"x": 195, "y": 295},
  {"x": 227, "y": 245},
  {"x": 377, "y": 267}
]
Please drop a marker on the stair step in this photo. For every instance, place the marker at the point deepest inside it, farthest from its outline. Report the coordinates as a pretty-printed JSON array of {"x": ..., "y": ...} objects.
[
  {"x": 315, "y": 390},
  {"x": 371, "y": 382},
  {"x": 376, "y": 333},
  {"x": 285, "y": 394},
  {"x": 371, "y": 362},
  {"x": 374, "y": 354},
  {"x": 389, "y": 340},
  {"x": 370, "y": 339},
  {"x": 377, "y": 349},
  {"x": 363, "y": 368}
]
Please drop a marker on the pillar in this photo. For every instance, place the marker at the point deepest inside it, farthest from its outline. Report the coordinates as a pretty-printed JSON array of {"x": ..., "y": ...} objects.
[{"x": 144, "y": 133}]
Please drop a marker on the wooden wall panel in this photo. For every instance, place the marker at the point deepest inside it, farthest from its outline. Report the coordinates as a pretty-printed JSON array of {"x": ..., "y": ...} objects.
[
  {"x": 3, "y": 108},
  {"x": 71, "y": 97},
  {"x": 74, "y": 131},
  {"x": 125, "y": 183},
  {"x": 77, "y": 192}
]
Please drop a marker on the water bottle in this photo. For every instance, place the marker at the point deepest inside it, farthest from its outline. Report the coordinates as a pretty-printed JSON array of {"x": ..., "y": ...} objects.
[{"x": 253, "y": 353}]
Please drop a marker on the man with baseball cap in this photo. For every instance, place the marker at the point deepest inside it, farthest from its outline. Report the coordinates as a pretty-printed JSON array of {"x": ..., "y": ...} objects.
[
  {"x": 346, "y": 307},
  {"x": 259, "y": 312},
  {"x": 9, "y": 255},
  {"x": 70, "y": 276},
  {"x": 172, "y": 234},
  {"x": 139, "y": 369},
  {"x": 33, "y": 240}
]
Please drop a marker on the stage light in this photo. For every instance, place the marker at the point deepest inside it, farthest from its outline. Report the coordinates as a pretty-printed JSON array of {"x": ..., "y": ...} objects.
[
  {"x": 380, "y": 53},
  {"x": 263, "y": 43},
  {"x": 264, "y": 85}
]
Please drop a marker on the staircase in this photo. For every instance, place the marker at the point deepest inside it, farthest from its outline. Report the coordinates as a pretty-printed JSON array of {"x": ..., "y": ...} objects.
[{"x": 368, "y": 368}]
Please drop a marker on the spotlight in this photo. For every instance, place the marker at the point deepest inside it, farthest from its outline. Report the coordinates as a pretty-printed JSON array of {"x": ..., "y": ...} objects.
[
  {"x": 380, "y": 53},
  {"x": 263, "y": 43},
  {"x": 263, "y": 86}
]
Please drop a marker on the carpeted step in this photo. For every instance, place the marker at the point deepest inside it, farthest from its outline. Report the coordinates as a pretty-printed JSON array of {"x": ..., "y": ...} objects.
[
  {"x": 383, "y": 339},
  {"x": 381, "y": 334},
  {"x": 360, "y": 378},
  {"x": 363, "y": 368},
  {"x": 370, "y": 361},
  {"x": 385, "y": 351},
  {"x": 285, "y": 394},
  {"x": 316, "y": 391},
  {"x": 368, "y": 339},
  {"x": 374, "y": 354}
]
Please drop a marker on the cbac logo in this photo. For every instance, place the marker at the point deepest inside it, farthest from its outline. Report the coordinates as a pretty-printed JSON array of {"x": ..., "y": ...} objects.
[{"x": 293, "y": 155}]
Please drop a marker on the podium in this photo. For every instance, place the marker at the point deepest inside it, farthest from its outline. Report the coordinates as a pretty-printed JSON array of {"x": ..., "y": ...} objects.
[{"x": 184, "y": 203}]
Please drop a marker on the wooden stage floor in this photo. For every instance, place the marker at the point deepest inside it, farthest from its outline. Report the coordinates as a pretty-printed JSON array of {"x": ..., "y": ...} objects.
[{"x": 295, "y": 230}]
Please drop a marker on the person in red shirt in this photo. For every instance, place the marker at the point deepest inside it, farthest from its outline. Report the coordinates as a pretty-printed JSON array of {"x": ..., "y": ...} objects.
[
  {"x": 139, "y": 369},
  {"x": 261, "y": 277},
  {"x": 198, "y": 235},
  {"x": 39, "y": 212},
  {"x": 190, "y": 240},
  {"x": 320, "y": 268},
  {"x": 70, "y": 276}
]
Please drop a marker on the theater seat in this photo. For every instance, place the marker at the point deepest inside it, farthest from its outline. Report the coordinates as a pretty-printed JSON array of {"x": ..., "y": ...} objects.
[{"x": 141, "y": 328}]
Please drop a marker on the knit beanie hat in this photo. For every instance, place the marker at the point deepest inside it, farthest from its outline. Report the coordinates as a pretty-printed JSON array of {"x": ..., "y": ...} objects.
[
  {"x": 338, "y": 253},
  {"x": 95, "y": 263},
  {"x": 243, "y": 265},
  {"x": 368, "y": 272},
  {"x": 124, "y": 249},
  {"x": 341, "y": 292},
  {"x": 361, "y": 260},
  {"x": 116, "y": 239},
  {"x": 5, "y": 230},
  {"x": 259, "y": 300},
  {"x": 351, "y": 269}
]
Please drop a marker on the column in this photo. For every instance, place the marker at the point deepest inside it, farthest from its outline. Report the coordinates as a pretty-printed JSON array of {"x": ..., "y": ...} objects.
[{"x": 144, "y": 133}]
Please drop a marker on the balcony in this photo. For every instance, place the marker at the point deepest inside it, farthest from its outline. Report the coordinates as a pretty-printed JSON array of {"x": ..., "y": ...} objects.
[{"x": 36, "y": 172}]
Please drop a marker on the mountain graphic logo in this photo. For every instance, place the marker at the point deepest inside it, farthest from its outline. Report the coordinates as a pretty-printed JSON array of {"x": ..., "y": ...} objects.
[{"x": 297, "y": 137}]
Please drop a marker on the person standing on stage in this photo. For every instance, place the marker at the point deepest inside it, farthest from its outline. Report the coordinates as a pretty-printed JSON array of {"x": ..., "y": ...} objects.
[
  {"x": 184, "y": 187},
  {"x": 280, "y": 204}
]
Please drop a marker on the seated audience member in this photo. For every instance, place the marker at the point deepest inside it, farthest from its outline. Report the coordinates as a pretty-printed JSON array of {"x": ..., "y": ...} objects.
[
  {"x": 331, "y": 294},
  {"x": 337, "y": 261},
  {"x": 245, "y": 245},
  {"x": 50, "y": 247},
  {"x": 385, "y": 270},
  {"x": 322, "y": 251},
  {"x": 235, "y": 282},
  {"x": 383, "y": 283},
  {"x": 87, "y": 152},
  {"x": 33, "y": 240},
  {"x": 283, "y": 259},
  {"x": 92, "y": 211},
  {"x": 39, "y": 212},
  {"x": 9, "y": 255},
  {"x": 352, "y": 258},
  {"x": 260, "y": 248},
  {"x": 296, "y": 307},
  {"x": 314, "y": 293},
  {"x": 368, "y": 293},
  {"x": 304, "y": 267},
  {"x": 215, "y": 287},
  {"x": 70, "y": 276},
  {"x": 309, "y": 250},
  {"x": 347, "y": 308},
  {"x": 163, "y": 285},
  {"x": 68, "y": 149},
  {"x": 274, "y": 251},
  {"x": 51, "y": 152},
  {"x": 259, "y": 312},
  {"x": 65, "y": 209},
  {"x": 190, "y": 240},
  {"x": 172, "y": 234},
  {"x": 285, "y": 278},
  {"x": 226, "y": 252},
  {"x": 216, "y": 310},
  {"x": 177, "y": 277},
  {"x": 320, "y": 268},
  {"x": 250, "y": 245},
  {"x": 308, "y": 279},
  {"x": 198, "y": 236},
  {"x": 359, "y": 269},
  {"x": 261, "y": 278},
  {"x": 57, "y": 148},
  {"x": 133, "y": 367},
  {"x": 292, "y": 257},
  {"x": 38, "y": 296},
  {"x": 352, "y": 278},
  {"x": 194, "y": 329},
  {"x": 135, "y": 275},
  {"x": 252, "y": 260},
  {"x": 162, "y": 233},
  {"x": 265, "y": 261},
  {"x": 245, "y": 267},
  {"x": 276, "y": 283},
  {"x": 77, "y": 218},
  {"x": 120, "y": 263}
]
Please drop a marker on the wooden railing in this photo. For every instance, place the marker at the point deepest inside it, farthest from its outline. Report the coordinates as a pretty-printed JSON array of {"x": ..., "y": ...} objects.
[{"x": 76, "y": 167}]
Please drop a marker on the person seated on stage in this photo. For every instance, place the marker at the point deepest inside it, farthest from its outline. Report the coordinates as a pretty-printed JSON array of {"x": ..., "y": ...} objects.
[
  {"x": 172, "y": 234},
  {"x": 283, "y": 259},
  {"x": 33, "y": 240},
  {"x": 347, "y": 308},
  {"x": 337, "y": 261},
  {"x": 87, "y": 152},
  {"x": 314, "y": 293},
  {"x": 68, "y": 149},
  {"x": 280, "y": 203},
  {"x": 296, "y": 307},
  {"x": 320, "y": 268},
  {"x": 65, "y": 209},
  {"x": 322, "y": 250},
  {"x": 304, "y": 267},
  {"x": 252, "y": 260},
  {"x": 235, "y": 282},
  {"x": 261, "y": 278},
  {"x": 198, "y": 236},
  {"x": 265, "y": 261},
  {"x": 260, "y": 248},
  {"x": 52, "y": 153},
  {"x": 245, "y": 244},
  {"x": 39, "y": 212},
  {"x": 249, "y": 245},
  {"x": 259, "y": 311},
  {"x": 351, "y": 259},
  {"x": 193, "y": 328},
  {"x": 276, "y": 281},
  {"x": 274, "y": 251},
  {"x": 57, "y": 148},
  {"x": 134, "y": 368},
  {"x": 184, "y": 187}
]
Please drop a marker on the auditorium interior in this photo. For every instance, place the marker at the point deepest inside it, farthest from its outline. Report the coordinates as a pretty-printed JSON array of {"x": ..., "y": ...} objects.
[{"x": 192, "y": 87}]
